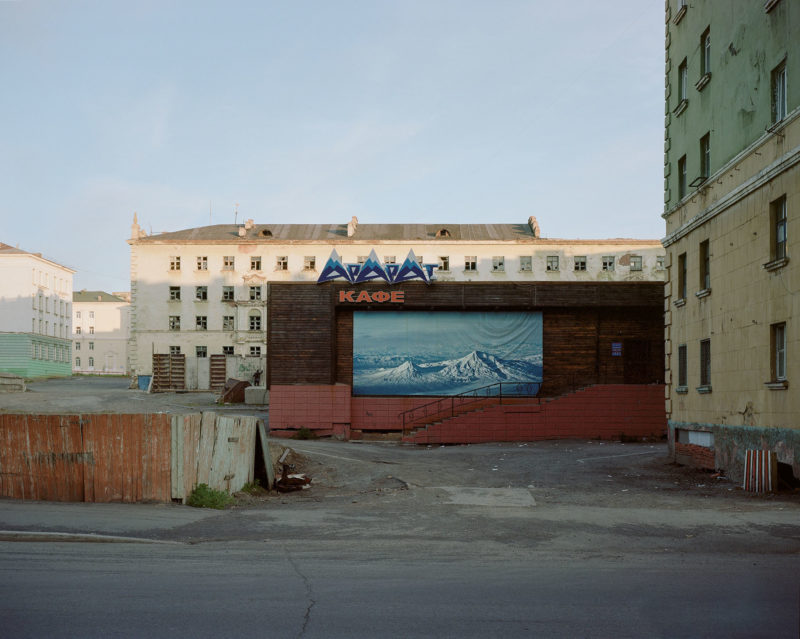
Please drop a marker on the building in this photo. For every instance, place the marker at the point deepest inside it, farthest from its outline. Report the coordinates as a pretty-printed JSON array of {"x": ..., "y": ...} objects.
[
  {"x": 101, "y": 328},
  {"x": 286, "y": 300},
  {"x": 732, "y": 194},
  {"x": 35, "y": 311}
]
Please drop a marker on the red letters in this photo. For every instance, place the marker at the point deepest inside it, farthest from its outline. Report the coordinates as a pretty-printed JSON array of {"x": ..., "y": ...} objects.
[{"x": 379, "y": 297}]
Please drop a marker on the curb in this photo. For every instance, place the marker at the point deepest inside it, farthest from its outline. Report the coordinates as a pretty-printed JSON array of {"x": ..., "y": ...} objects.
[{"x": 36, "y": 536}]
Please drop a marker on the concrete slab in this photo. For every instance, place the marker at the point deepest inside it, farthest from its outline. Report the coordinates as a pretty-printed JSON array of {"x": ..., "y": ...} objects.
[{"x": 494, "y": 497}]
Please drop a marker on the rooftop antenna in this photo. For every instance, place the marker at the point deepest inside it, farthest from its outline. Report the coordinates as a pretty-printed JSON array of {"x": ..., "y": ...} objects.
[{"x": 236, "y": 213}]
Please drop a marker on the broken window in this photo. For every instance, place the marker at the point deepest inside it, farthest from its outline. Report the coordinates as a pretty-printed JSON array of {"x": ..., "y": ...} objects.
[
  {"x": 202, "y": 262},
  {"x": 175, "y": 293},
  {"x": 636, "y": 262},
  {"x": 227, "y": 322},
  {"x": 201, "y": 351},
  {"x": 580, "y": 262},
  {"x": 228, "y": 262},
  {"x": 444, "y": 262},
  {"x": 255, "y": 263},
  {"x": 498, "y": 263},
  {"x": 174, "y": 322},
  {"x": 201, "y": 293},
  {"x": 255, "y": 293},
  {"x": 201, "y": 322},
  {"x": 255, "y": 321},
  {"x": 309, "y": 263},
  {"x": 552, "y": 262},
  {"x": 282, "y": 263},
  {"x": 227, "y": 293},
  {"x": 471, "y": 263}
]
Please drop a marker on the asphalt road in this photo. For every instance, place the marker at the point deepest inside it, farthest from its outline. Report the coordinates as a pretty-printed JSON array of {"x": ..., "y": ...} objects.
[{"x": 346, "y": 589}]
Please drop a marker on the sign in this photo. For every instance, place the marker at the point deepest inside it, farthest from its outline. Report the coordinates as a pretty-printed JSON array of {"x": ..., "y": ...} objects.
[
  {"x": 395, "y": 297},
  {"x": 373, "y": 269},
  {"x": 616, "y": 349}
]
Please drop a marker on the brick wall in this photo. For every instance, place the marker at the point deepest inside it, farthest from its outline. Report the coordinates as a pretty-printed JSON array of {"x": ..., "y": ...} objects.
[
  {"x": 604, "y": 411},
  {"x": 695, "y": 456}
]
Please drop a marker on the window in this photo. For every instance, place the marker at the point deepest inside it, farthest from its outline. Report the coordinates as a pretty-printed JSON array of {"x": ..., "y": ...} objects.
[
  {"x": 705, "y": 266},
  {"x": 201, "y": 322},
  {"x": 77, "y": 314},
  {"x": 471, "y": 263},
  {"x": 91, "y": 362},
  {"x": 201, "y": 293},
  {"x": 77, "y": 346},
  {"x": 310, "y": 263},
  {"x": 636, "y": 262},
  {"x": 282, "y": 263},
  {"x": 77, "y": 362},
  {"x": 227, "y": 322},
  {"x": 255, "y": 293},
  {"x": 227, "y": 350},
  {"x": 682, "y": 177},
  {"x": 580, "y": 262},
  {"x": 174, "y": 350},
  {"x": 202, "y": 262},
  {"x": 683, "y": 81},
  {"x": 255, "y": 263},
  {"x": 91, "y": 346},
  {"x": 175, "y": 293},
  {"x": 201, "y": 351},
  {"x": 175, "y": 263},
  {"x": 91, "y": 314},
  {"x": 552, "y": 262},
  {"x": 442, "y": 233},
  {"x": 228, "y": 263},
  {"x": 255, "y": 351},
  {"x": 778, "y": 339},
  {"x": 660, "y": 262},
  {"x": 777, "y": 214},
  {"x": 254, "y": 321},
  {"x": 91, "y": 330},
  {"x": 174, "y": 322},
  {"x": 77, "y": 328},
  {"x": 389, "y": 259},
  {"x": 705, "y": 364},
  {"x": 779, "y": 92},
  {"x": 227, "y": 293},
  {"x": 682, "y": 276},
  {"x": 525, "y": 263},
  {"x": 444, "y": 263},
  {"x": 498, "y": 263},
  {"x": 705, "y": 52},
  {"x": 608, "y": 262},
  {"x": 705, "y": 156}
]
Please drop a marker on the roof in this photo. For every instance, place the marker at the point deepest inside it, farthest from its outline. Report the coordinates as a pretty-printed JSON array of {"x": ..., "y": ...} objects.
[
  {"x": 7, "y": 249},
  {"x": 337, "y": 234},
  {"x": 95, "y": 296}
]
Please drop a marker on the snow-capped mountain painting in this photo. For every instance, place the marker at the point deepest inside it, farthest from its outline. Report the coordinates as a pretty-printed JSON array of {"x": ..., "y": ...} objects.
[{"x": 443, "y": 353}]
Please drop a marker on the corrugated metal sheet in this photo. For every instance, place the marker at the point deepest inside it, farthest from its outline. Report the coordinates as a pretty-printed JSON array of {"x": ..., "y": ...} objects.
[{"x": 94, "y": 457}]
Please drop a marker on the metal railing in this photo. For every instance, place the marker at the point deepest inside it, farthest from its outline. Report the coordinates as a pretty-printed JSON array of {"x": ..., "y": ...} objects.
[{"x": 447, "y": 407}]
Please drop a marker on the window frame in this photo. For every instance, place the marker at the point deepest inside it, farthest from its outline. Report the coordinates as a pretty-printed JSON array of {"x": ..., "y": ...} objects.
[
  {"x": 525, "y": 264},
  {"x": 778, "y": 92},
  {"x": 309, "y": 262},
  {"x": 705, "y": 156},
  {"x": 704, "y": 252},
  {"x": 778, "y": 229},
  {"x": 202, "y": 262},
  {"x": 552, "y": 263},
  {"x": 636, "y": 263},
  {"x": 174, "y": 293},
  {"x": 444, "y": 263},
  {"x": 200, "y": 351},
  {"x": 228, "y": 293},
  {"x": 254, "y": 321},
  {"x": 705, "y": 52},
  {"x": 470, "y": 263},
  {"x": 174, "y": 322},
  {"x": 498, "y": 264},
  {"x": 778, "y": 351},
  {"x": 705, "y": 365},
  {"x": 682, "y": 181},
  {"x": 201, "y": 293},
  {"x": 174, "y": 262},
  {"x": 229, "y": 263},
  {"x": 682, "y": 284},
  {"x": 255, "y": 263},
  {"x": 255, "y": 293},
  {"x": 579, "y": 263},
  {"x": 201, "y": 322},
  {"x": 228, "y": 322}
]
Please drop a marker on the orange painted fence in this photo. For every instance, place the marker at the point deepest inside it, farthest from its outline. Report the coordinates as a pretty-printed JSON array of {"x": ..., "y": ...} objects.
[
  {"x": 104, "y": 457},
  {"x": 124, "y": 458}
]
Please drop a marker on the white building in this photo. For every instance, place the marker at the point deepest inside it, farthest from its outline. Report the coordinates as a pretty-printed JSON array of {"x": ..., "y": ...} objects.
[
  {"x": 204, "y": 291},
  {"x": 101, "y": 328},
  {"x": 35, "y": 310}
]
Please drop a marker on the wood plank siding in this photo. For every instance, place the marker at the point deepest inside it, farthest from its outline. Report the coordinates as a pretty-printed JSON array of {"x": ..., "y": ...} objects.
[{"x": 310, "y": 331}]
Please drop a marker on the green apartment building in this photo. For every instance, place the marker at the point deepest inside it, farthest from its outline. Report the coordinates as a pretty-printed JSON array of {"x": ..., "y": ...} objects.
[
  {"x": 731, "y": 201},
  {"x": 35, "y": 311}
]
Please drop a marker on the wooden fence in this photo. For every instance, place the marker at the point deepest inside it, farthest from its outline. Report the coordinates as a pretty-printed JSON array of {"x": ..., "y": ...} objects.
[{"x": 123, "y": 458}]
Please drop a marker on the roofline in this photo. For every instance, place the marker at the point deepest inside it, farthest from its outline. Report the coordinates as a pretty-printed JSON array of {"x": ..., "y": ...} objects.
[
  {"x": 38, "y": 257},
  {"x": 438, "y": 241}
]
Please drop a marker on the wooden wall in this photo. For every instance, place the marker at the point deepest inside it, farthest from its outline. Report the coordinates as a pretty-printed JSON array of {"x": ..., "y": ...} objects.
[{"x": 310, "y": 332}]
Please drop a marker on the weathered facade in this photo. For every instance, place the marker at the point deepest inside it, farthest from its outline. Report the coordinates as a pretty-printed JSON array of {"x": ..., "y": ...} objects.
[
  {"x": 207, "y": 290},
  {"x": 100, "y": 332},
  {"x": 35, "y": 311},
  {"x": 732, "y": 191}
]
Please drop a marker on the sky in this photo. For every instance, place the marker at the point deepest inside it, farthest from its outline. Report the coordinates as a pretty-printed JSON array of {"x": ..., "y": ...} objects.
[{"x": 316, "y": 111}]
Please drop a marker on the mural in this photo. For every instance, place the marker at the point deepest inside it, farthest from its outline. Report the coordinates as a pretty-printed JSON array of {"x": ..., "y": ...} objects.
[
  {"x": 373, "y": 269},
  {"x": 443, "y": 353}
]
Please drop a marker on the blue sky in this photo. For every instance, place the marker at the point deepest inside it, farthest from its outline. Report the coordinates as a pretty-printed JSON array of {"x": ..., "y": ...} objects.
[{"x": 316, "y": 111}]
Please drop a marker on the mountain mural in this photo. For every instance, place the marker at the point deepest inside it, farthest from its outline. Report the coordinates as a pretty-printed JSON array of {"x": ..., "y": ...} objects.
[{"x": 445, "y": 377}]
